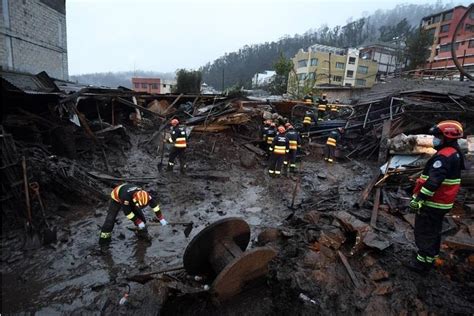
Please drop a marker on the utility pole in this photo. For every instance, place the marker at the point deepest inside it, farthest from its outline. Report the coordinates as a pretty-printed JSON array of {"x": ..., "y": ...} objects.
[
  {"x": 329, "y": 68},
  {"x": 222, "y": 79}
]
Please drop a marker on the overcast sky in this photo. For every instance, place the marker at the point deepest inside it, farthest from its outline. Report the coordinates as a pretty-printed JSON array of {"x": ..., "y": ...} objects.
[{"x": 164, "y": 35}]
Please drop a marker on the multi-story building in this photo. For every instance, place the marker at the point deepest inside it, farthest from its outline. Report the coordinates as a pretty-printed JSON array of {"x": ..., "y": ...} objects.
[
  {"x": 332, "y": 66},
  {"x": 385, "y": 54},
  {"x": 33, "y": 37},
  {"x": 442, "y": 26},
  {"x": 152, "y": 85}
]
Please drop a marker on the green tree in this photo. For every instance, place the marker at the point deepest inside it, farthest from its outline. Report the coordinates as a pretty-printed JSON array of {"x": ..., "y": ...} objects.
[
  {"x": 417, "y": 48},
  {"x": 188, "y": 81},
  {"x": 282, "y": 67}
]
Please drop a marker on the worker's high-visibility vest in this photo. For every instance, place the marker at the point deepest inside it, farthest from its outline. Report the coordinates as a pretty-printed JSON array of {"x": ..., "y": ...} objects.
[
  {"x": 331, "y": 141},
  {"x": 180, "y": 142},
  {"x": 322, "y": 107},
  {"x": 293, "y": 144}
]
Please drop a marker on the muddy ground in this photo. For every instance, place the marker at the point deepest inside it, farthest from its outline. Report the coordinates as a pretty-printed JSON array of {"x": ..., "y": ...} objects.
[{"x": 72, "y": 276}]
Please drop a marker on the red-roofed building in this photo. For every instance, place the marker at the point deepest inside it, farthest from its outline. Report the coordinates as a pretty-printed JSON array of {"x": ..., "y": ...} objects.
[{"x": 442, "y": 26}]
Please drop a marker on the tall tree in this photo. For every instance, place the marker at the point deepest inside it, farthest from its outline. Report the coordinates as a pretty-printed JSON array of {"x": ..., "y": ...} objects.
[
  {"x": 417, "y": 48},
  {"x": 188, "y": 81},
  {"x": 282, "y": 67}
]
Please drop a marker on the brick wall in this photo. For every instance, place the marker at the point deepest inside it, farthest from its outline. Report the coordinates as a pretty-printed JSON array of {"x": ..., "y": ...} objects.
[{"x": 37, "y": 35}]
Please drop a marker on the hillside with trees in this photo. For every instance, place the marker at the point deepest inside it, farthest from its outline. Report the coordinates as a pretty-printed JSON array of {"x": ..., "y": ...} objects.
[{"x": 237, "y": 68}]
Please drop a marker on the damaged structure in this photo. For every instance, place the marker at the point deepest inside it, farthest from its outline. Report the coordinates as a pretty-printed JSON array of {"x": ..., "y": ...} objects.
[{"x": 329, "y": 240}]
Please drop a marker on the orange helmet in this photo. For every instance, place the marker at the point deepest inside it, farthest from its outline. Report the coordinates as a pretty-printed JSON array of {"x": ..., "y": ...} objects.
[
  {"x": 141, "y": 198},
  {"x": 174, "y": 122},
  {"x": 449, "y": 129},
  {"x": 281, "y": 129}
]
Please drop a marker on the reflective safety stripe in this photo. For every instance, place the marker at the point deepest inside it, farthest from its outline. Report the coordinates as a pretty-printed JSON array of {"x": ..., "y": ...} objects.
[
  {"x": 105, "y": 235},
  {"x": 130, "y": 215},
  {"x": 270, "y": 140},
  {"x": 429, "y": 259},
  {"x": 442, "y": 206},
  {"x": 285, "y": 162},
  {"x": 156, "y": 209},
  {"x": 170, "y": 164},
  {"x": 426, "y": 191},
  {"x": 331, "y": 141},
  {"x": 180, "y": 142},
  {"x": 115, "y": 193},
  {"x": 277, "y": 171},
  {"x": 451, "y": 181},
  {"x": 322, "y": 107},
  {"x": 330, "y": 160},
  {"x": 420, "y": 258},
  {"x": 292, "y": 165},
  {"x": 281, "y": 150},
  {"x": 307, "y": 120},
  {"x": 424, "y": 177},
  {"x": 271, "y": 171},
  {"x": 293, "y": 144}
]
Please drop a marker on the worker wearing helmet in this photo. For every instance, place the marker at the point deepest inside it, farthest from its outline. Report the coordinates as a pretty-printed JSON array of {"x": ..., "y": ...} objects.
[
  {"x": 294, "y": 142},
  {"x": 322, "y": 106},
  {"x": 131, "y": 199},
  {"x": 310, "y": 118},
  {"x": 179, "y": 138},
  {"x": 331, "y": 143},
  {"x": 435, "y": 192},
  {"x": 308, "y": 99},
  {"x": 271, "y": 133},
  {"x": 265, "y": 128},
  {"x": 278, "y": 149}
]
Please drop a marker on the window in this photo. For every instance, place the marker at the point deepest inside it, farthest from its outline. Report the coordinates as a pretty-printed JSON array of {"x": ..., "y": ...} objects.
[
  {"x": 352, "y": 60},
  {"x": 314, "y": 62},
  {"x": 154, "y": 86},
  {"x": 448, "y": 16},
  {"x": 360, "y": 82},
  {"x": 362, "y": 69},
  {"x": 469, "y": 27},
  {"x": 350, "y": 73},
  {"x": 137, "y": 85},
  {"x": 471, "y": 15},
  {"x": 444, "y": 28},
  {"x": 337, "y": 78},
  {"x": 447, "y": 47},
  {"x": 437, "y": 18},
  {"x": 144, "y": 85},
  {"x": 301, "y": 77},
  {"x": 339, "y": 65},
  {"x": 311, "y": 75},
  {"x": 164, "y": 85},
  {"x": 302, "y": 63},
  {"x": 348, "y": 85},
  {"x": 471, "y": 44}
]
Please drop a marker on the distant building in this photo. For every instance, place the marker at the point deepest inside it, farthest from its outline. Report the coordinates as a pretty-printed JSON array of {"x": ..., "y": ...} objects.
[
  {"x": 263, "y": 78},
  {"x": 441, "y": 26},
  {"x": 385, "y": 54},
  {"x": 33, "y": 37},
  {"x": 152, "y": 85},
  {"x": 332, "y": 66},
  {"x": 207, "y": 89}
]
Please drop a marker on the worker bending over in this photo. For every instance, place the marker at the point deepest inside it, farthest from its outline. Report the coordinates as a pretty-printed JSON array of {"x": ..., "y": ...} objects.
[
  {"x": 179, "y": 139},
  {"x": 435, "y": 192},
  {"x": 131, "y": 199},
  {"x": 279, "y": 149},
  {"x": 331, "y": 143}
]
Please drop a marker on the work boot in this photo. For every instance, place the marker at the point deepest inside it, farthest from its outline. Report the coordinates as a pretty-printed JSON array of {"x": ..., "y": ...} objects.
[
  {"x": 418, "y": 266},
  {"x": 144, "y": 235}
]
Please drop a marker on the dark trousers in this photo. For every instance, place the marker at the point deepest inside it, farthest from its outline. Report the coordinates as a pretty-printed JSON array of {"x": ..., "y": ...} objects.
[
  {"x": 177, "y": 153},
  {"x": 306, "y": 129},
  {"x": 428, "y": 225},
  {"x": 114, "y": 208},
  {"x": 291, "y": 159},
  {"x": 329, "y": 152},
  {"x": 321, "y": 115},
  {"x": 276, "y": 161}
]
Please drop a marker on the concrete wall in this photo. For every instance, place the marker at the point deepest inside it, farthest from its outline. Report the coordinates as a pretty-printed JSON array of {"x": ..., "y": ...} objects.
[{"x": 33, "y": 36}]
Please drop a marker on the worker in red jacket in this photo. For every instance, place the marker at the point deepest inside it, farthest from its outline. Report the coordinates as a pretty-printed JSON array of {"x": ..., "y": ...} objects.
[
  {"x": 131, "y": 199},
  {"x": 435, "y": 192},
  {"x": 278, "y": 149}
]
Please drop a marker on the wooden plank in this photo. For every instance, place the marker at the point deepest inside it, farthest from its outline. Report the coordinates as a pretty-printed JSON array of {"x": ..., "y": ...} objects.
[
  {"x": 365, "y": 193},
  {"x": 383, "y": 149},
  {"x": 103, "y": 176},
  {"x": 349, "y": 269},
  {"x": 375, "y": 209},
  {"x": 460, "y": 242},
  {"x": 136, "y": 106}
]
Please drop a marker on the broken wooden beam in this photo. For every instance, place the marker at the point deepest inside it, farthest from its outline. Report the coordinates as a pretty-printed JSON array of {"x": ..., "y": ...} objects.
[
  {"x": 375, "y": 208},
  {"x": 460, "y": 242},
  {"x": 366, "y": 192},
  {"x": 136, "y": 106},
  {"x": 349, "y": 269}
]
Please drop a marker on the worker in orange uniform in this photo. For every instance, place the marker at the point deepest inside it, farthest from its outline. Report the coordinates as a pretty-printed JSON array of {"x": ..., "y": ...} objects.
[
  {"x": 331, "y": 144},
  {"x": 131, "y": 199},
  {"x": 279, "y": 149},
  {"x": 294, "y": 142},
  {"x": 179, "y": 139},
  {"x": 435, "y": 192}
]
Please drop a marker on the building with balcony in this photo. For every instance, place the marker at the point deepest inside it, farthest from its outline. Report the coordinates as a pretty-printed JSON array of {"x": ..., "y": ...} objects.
[
  {"x": 442, "y": 26},
  {"x": 152, "y": 85},
  {"x": 323, "y": 65},
  {"x": 385, "y": 54}
]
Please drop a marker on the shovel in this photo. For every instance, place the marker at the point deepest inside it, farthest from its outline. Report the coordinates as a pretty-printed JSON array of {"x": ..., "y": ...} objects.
[{"x": 32, "y": 239}]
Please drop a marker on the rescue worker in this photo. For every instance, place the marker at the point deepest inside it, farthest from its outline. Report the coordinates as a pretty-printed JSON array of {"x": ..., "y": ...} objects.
[
  {"x": 435, "y": 192},
  {"x": 333, "y": 109},
  {"x": 279, "y": 149},
  {"x": 265, "y": 129},
  {"x": 294, "y": 142},
  {"x": 179, "y": 138},
  {"x": 331, "y": 144},
  {"x": 308, "y": 98},
  {"x": 322, "y": 106},
  {"x": 310, "y": 118},
  {"x": 270, "y": 136},
  {"x": 131, "y": 199}
]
